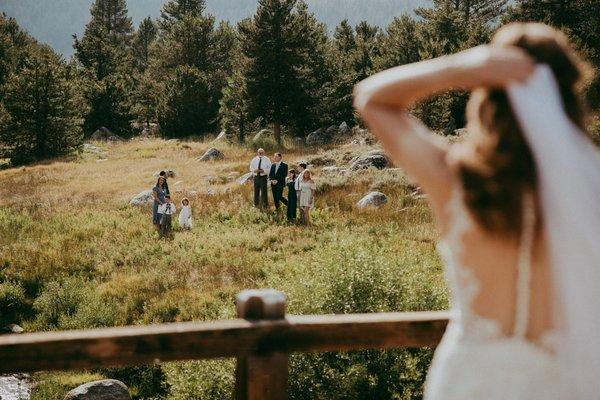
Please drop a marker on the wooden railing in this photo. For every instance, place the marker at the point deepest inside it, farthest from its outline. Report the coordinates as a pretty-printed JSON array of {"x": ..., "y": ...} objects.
[{"x": 261, "y": 340}]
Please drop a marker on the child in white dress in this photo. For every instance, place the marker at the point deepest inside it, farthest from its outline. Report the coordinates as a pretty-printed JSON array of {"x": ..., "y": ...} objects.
[{"x": 185, "y": 215}]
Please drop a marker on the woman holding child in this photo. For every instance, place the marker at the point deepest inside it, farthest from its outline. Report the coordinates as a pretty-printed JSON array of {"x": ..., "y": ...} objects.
[{"x": 158, "y": 194}]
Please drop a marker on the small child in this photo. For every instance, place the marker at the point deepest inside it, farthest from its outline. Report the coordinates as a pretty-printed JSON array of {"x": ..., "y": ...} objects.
[
  {"x": 167, "y": 209},
  {"x": 185, "y": 215}
]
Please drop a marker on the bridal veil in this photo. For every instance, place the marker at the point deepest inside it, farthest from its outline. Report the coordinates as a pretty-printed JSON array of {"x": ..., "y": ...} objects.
[{"x": 568, "y": 167}]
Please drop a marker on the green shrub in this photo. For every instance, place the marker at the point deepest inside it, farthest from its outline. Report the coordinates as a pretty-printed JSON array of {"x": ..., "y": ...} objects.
[
  {"x": 12, "y": 302},
  {"x": 143, "y": 381}
]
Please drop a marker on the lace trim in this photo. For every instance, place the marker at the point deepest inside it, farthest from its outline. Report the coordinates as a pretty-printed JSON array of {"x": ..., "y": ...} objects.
[{"x": 464, "y": 284}]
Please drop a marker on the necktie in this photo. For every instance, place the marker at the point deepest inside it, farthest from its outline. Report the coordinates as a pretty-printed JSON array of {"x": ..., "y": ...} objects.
[
  {"x": 277, "y": 167},
  {"x": 259, "y": 162}
]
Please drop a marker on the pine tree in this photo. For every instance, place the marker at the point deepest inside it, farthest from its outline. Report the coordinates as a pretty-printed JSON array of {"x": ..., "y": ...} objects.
[
  {"x": 41, "y": 112},
  {"x": 482, "y": 10},
  {"x": 187, "y": 106},
  {"x": 400, "y": 44},
  {"x": 105, "y": 54},
  {"x": 344, "y": 37},
  {"x": 277, "y": 45},
  {"x": 233, "y": 111},
  {"x": 143, "y": 39},
  {"x": 176, "y": 10}
]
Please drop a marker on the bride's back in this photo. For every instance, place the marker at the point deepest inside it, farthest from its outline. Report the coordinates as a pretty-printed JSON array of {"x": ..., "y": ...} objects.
[
  {"x": 493, "y": 263},
  {"x": 495, "y": 174}
]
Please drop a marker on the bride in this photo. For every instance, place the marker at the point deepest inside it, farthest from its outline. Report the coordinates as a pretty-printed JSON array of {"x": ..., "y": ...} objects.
[{"x": 517, "y": 204}]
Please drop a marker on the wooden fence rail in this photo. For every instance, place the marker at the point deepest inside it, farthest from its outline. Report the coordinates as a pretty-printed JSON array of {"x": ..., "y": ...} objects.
[{"x": 261, "y": 340}]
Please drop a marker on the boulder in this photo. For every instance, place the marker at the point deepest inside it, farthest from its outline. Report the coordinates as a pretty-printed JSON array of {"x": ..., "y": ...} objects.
[
  {"x": 105, "y": 389},
  {"x": 344, "y": 129},
  {"x": 247, "y": 177},
  {"x": 372, "y": 200},
  {"x": 104, "y": 134},
  {"x": 232, "y": 176},
  {"x": 332, "y": 131},
  {"x": 90, "y": 148},
  {"x": 170, "y": 173},
  {"x": 11, "y": 328},
  {"x": 375, "y": 158},
  {"x": 317, "y": 137},
  {"x": 142, "y": 199},
  {"x": 212, "y": 154}
]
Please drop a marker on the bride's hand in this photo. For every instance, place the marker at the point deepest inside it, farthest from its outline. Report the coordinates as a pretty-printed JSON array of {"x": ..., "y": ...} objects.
[{"x": 496, "y": 66}]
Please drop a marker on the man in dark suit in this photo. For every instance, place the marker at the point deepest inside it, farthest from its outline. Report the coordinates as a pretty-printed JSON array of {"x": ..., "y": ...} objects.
[{"x": 277, "y": 175}]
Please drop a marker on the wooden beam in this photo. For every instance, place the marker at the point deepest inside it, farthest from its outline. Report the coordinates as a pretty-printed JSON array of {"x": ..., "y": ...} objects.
[{"x": 233, "y": 338}]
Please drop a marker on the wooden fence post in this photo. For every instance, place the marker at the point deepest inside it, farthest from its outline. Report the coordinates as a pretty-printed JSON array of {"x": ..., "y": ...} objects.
[{"x": 261, "y": 376}]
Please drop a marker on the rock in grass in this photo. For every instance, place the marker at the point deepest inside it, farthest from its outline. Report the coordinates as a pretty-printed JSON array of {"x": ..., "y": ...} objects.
[
  {"x": 212, "y": 154},
  {"x": 317, "y": 137},
  {"x": 372, "y": 200},
  {"x": 375, "y": 158},
  {"x": 106, "y": 389},
  {"x": 11, "y": 328},
  {"x": 344, "y": 129},
  {"x": 142, "y": 199},
  {"x": 244, "y": 178}
]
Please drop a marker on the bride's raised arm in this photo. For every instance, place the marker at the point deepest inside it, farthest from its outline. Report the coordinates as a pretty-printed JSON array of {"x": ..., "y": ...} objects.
[{"x": 383, "y": 98}]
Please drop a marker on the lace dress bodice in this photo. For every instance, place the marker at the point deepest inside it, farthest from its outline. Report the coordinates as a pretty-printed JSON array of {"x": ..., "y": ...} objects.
[{"x": 476, "y": 359}]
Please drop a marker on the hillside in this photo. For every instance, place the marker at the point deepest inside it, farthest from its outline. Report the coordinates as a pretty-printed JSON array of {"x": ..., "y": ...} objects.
[
  {"x": 54, "y": 22},
  {"x": 75, "y": 254}
]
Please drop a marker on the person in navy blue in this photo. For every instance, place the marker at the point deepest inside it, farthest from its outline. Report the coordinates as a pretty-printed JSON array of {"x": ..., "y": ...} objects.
[{"x": 277, "y": 175}]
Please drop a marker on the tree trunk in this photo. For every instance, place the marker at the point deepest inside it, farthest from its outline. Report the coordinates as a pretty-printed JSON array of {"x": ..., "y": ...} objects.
[{"x": 277, "y": 132}]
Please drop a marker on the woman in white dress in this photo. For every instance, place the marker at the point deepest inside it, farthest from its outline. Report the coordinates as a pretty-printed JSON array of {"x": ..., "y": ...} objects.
[
  {"x": 519, "y": 275},
  {"x": 308, "y": 189}
]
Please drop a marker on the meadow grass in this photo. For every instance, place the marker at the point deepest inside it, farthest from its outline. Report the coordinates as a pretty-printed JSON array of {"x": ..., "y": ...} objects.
[{"x": 74, "y": 254}]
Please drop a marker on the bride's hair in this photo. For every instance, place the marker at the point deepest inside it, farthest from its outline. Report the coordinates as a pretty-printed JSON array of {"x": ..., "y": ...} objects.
[{"x": 495, "y": 164}]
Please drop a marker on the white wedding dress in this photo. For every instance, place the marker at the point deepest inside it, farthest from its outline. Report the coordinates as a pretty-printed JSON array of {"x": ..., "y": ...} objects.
[{"x": 475, "y": 360}]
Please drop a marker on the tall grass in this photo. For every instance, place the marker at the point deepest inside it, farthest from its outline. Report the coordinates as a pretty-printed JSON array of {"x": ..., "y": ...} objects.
[{"x": 74, "y": 254}]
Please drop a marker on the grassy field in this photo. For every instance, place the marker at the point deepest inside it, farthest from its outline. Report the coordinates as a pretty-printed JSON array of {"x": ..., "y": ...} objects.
[{"x": 74, "y": 254}]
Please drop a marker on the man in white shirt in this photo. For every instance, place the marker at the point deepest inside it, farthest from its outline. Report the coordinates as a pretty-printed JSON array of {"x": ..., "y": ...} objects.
[{"x": 260, "y": 167}]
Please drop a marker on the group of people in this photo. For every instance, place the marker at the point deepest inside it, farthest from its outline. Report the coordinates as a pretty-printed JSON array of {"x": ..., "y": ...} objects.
[
  {"x": 301, "y": 188},
  {"x": 163, "y": 208}
]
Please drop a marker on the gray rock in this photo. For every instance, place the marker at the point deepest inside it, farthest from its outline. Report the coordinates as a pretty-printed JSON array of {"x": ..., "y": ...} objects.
[
  {"x": 90, "y": 148},
  {"x": 170, "y": 173},
  {"x": 375, "y": 158},
  {"x": 142, "y": 199},
  {"x": 15, "y": 387},
  {"x": 103, "y": 134},
  {"x": 11, "y": 328},
  {"x": 232, "y": 176},
  {"x": 317, "y": 137},
  {"x": 332, "y": 131},
  {"x": 106, "y": 389},
  {"x": 344, "y": 129},
  {"x": 210, "y": 179},
  {"x": 372, "y": 200},
  {"x": 212, "y": 154},
  {"x": 247, "y": 177}
]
